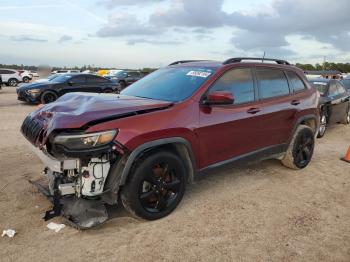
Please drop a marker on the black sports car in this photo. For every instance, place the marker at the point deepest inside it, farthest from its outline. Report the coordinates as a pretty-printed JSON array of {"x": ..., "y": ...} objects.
[
  {"x": 49, "y": 91},
  {"x": 334, "y": 103}
]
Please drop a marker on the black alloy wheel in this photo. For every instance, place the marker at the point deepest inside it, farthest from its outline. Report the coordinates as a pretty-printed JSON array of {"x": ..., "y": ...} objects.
[
  {"x": 160, "y": 187},
  {"x": 156, "y": 185},
  {"x": 303, "y": 150},
  {"x": 48, "y": 97}
]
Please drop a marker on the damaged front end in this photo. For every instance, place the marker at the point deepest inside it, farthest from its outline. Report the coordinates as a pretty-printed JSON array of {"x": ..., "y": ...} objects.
[{"x": 78, "y": 167}]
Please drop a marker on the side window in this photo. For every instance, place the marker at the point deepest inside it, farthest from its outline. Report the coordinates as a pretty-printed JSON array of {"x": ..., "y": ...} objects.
[
  {"x": 295, "y": 81},
  {"x": 78, "y": 79},
  {"x": 272, "y": 83},
  {"x": 341, "y": 88},
  {"x": 96, "y": 79},
  {"x": 239, "y": 82},
  {"x": 333, "y": 90}
]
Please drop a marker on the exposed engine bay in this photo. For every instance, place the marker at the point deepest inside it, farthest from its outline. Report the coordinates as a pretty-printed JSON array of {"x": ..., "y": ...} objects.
[{"x": 75, "y": 188}]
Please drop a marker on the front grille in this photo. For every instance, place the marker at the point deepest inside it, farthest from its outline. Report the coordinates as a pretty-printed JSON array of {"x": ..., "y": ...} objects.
[{"x": 31, "y": 129}]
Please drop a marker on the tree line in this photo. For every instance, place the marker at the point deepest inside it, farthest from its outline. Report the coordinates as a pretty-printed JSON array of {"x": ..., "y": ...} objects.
[{"x": 342, "y": 67}]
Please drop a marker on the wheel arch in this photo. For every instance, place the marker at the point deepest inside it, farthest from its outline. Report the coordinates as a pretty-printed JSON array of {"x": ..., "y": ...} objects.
[
  {"x": 311, "y": 121},
  {"x": 120, "y": 172}
]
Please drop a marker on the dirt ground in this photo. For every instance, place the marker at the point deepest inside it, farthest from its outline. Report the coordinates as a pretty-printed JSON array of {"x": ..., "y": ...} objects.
[{"x": 261, "y": 212}]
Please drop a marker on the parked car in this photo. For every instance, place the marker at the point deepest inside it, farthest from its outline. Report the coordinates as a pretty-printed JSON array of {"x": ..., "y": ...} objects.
[
  {"x": 34, "y": 73},
  {"x": 10, "y": 77},
  {"x": 346, "y": 83},
  {"x": 64, "y": 71},
  {"x": 49, "y": 91},
  {"x": 142, "y": 147},
  {"x": 125, "y": 78},
  {"x": 26, "y": 76},
  {"x": 334, "y": 103}
]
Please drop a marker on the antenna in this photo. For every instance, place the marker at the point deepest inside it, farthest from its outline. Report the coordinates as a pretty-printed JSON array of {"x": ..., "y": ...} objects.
[{"x": 262, "y": 60}]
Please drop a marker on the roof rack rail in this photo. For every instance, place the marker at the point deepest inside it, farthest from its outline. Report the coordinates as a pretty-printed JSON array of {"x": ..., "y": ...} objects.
[
  {"x": 186, "y": 61},
  {"x": 240, "y": 59}
]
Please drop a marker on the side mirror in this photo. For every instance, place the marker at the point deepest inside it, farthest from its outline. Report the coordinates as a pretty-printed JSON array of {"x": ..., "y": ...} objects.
[
  {"x": 219, "y": 98},
  {"x": 70, "y": 82}
]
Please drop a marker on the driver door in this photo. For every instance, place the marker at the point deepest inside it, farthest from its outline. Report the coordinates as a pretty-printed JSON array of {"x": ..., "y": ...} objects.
[
  {"x": 229, "y": 131},
  {"x": 75, "y": 84}
]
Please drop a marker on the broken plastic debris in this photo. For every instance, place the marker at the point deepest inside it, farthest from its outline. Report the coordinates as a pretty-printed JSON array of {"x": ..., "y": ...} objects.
[
  {"x": 55, "y": 227},
  {"x": 8, "y": 232}
]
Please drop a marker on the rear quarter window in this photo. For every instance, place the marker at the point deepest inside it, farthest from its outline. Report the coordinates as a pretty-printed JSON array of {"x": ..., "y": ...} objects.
[
  {"x": 296, "y": 83},
  {"x": 271, "y": 83}
]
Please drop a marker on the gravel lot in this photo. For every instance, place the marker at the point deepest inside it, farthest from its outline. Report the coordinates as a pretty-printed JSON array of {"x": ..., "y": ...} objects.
[{"x": 261, "y": 212}]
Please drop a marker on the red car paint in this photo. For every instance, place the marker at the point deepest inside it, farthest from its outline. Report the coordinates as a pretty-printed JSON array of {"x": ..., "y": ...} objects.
[{"x": 216, "y": 133}]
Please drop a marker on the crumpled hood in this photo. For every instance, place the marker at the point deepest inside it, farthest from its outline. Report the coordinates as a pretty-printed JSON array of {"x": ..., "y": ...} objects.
[{"x": 76, "y": 110}]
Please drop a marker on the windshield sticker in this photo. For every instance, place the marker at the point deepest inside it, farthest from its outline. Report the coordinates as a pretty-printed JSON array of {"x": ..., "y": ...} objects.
[
  {"x": 199, "y": 74},
  {"x": 320, "y": 83}
]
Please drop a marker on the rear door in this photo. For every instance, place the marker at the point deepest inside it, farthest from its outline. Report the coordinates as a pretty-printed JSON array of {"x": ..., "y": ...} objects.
[
  {"x": 96, "y": 83},
  {"x": 337, "y": 102},
  {"x": 229, "y": 131},
  {"x": 344, "y": 101},
  {"x": 278, "y": 105}
]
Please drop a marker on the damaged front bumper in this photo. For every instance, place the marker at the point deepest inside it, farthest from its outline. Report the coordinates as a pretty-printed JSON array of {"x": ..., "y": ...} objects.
[{"x": 74, "y": 189}]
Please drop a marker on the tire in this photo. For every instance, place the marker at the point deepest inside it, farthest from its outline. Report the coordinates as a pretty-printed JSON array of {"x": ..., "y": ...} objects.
[
  {"x": 12, "y": 82},
  {"x": 25, "y": 79},
  {"x": 301, "y": 148},
  {"x": 108, "y": 91},
  {"x": 155, "y": 185},
  {"x": 346, "y": 120},
  {"x": 323, "y": 125},
  {"x": 48, "y": 97},
  {"x": 122, "y": 85}
]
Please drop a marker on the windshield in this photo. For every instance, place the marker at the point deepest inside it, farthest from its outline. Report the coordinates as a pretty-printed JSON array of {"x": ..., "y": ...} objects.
[
  {"x": 170, "y": 84},
  {"x": 61, "y": 78},
  {"x": 52, "y": 77},
  {"x": 321, "y": 87}
]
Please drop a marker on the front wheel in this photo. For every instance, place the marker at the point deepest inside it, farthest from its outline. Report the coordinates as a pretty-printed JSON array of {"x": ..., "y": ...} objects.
[
  {"x": 48, "y": 97},
  {"x": 156, "y": 185},
  {"x": 323, "y": 125},
  {"x": 26, "y": 79},
  {"x": 301, "y": 148}
]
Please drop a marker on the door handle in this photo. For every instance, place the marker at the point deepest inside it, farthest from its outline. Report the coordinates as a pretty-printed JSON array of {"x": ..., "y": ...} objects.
[
  {"x": 295, "y": 102},
  {"x": 253, "y": 110}
]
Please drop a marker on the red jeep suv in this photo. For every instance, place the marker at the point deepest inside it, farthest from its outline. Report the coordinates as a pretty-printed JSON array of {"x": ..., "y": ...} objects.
[{"x": 142, "y": 146}]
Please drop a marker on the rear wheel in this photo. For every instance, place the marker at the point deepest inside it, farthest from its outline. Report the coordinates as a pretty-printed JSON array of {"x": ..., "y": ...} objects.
[
  {"x": 108, "y": 91},
  {"x": 156, "y": 185},
  {"x": 13, "y": 82},
  {"x": 323, "y": 125},
  {"x": 301, "y": 148},
  {"x": 48, "y": 97}
]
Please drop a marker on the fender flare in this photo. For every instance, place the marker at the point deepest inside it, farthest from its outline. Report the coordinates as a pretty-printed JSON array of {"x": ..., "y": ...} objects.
[
  {"x": 149, "y": 145},
  {"x": 302, "y": 119}
]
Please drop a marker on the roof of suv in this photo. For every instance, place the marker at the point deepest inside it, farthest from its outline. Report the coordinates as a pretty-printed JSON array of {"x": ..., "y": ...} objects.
[{"x": 217, "y": 64}]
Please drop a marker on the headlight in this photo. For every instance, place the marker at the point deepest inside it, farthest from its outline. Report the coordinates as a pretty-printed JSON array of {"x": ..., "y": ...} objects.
[
  {"x": 85, "y": 141},
  {"x": 33, "y": 91}
]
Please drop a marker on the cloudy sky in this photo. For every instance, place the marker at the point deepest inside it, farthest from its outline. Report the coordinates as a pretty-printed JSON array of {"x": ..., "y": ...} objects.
[{"x": 153, "y": 33}]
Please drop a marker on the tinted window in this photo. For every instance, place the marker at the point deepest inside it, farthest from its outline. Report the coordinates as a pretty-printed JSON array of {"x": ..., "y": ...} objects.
[
  {"x": 96, "y": 79},
  {"x": 7, "y": 72},
  {"x": 333, "y": 90},
  {"x": 133, "y": 74},
  {"x": 295, "y": 81},
  {"x": 239, "y": 82},
  {"x": 272, "y": 83},
  {"x": 170, "y": 84},
  {"x": 341, "y": 88},
  {"x": 78, "y": 79}
]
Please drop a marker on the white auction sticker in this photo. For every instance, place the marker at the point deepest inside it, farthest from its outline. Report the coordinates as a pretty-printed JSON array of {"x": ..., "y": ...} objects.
[{"x": 199, "y": 73}]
